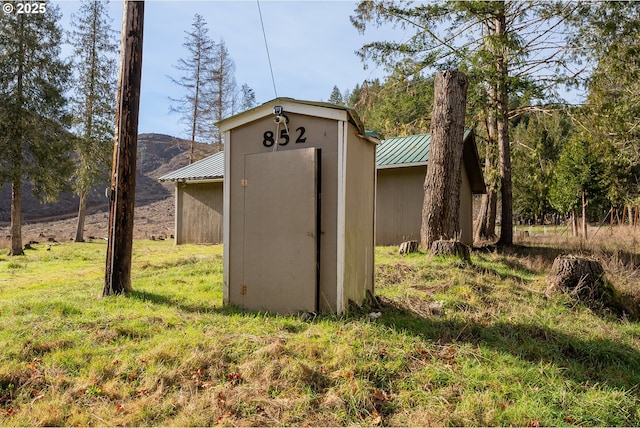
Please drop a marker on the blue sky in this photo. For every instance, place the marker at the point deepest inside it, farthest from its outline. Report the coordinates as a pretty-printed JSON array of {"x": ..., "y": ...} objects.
[{"x": 312, "y": 46}]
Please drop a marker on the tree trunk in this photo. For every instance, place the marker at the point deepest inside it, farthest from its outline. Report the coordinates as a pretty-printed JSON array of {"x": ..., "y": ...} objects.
[
  {"x": 504, "y": 149},
  {"x": 575, "y": 274},
  {"x": 574, "y": 223},
  {"x": 450, "y": 248},
  {"x": 441, "y": 204},
  {"x": 584, "y": 215},
  {"x": 16, "y": 221},
  {"x": 611, "y": 216},
  {"x": 493, "y": 212},
  {"x": 82, "y": 212},
  {"x": 120, "y": 244},
  {"x": 584, "y": 279},
  {"x": 485, "y": 225},
  {"x": 479, "y": 230},
  {"x": 408, "y": 247}
]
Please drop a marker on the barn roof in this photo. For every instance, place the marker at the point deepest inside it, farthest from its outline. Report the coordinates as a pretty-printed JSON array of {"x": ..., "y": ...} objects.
[
  {"x": 413, "y": 150},
  {"x": 207, "y": 169}
]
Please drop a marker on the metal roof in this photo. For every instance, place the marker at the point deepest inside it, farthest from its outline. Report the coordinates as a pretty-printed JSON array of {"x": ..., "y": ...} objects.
[
  {"x": 209, "y": 168},
  {"x": 412, "y": 150}
]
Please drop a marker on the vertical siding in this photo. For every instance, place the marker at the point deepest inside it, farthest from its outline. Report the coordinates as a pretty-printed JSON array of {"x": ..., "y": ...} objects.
[
  {"x": 399, "y": 200},
  {"x": 200, "y": 219},
  {"x": 400, "y": 194}
]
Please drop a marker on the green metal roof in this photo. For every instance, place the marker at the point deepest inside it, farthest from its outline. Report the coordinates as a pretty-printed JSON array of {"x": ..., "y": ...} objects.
[{"x": 412, "y": 149}]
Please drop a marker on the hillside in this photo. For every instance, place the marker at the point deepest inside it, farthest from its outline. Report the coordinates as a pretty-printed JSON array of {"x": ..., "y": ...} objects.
[{"x": 158, "y": 154}]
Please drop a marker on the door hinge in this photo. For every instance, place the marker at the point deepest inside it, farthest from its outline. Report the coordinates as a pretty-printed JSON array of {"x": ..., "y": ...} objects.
[{"x": 244, "y": 182}]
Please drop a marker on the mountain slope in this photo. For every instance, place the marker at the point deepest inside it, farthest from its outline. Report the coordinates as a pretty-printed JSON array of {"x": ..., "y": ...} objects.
[{"x": 158, "y": 154}]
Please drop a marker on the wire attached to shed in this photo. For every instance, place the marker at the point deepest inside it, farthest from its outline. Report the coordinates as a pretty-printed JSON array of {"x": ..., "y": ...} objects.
[{"x": 266, "y": 45}]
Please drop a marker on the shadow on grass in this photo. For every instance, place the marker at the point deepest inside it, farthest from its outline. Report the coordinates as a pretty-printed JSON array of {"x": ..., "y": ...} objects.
[
  {"x": 581, "y": 359},
  {"x": 548, "y": 253},
  {"x": 160, "y": 299}
]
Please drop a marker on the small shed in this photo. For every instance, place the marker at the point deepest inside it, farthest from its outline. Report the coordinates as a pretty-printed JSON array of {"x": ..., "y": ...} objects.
[
  {"x": 198, "y": 201},
  {"x": 401, "y": 169},
  {"x": 299, "y": 201}
]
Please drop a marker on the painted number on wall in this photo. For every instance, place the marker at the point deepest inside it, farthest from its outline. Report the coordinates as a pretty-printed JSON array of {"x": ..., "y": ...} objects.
[{"x": 268, "y": 138}]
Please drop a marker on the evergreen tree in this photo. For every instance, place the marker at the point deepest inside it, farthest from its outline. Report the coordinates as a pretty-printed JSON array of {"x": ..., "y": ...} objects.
[
  {"x": 401, "y": 105},
  {"x": 223, "y": 95},
  {"x": 94, "y": 99},
  {"x": 611, "y": 35},
  {"x": 248, "y": 98},
  {"x": 34, "y": 143},
  {"x": 196, "y": 107},
  {"x": 509, "y": 47},
  {"x": 537, "y": 142},
  {"x": 577, "y": 178},
  {"x": 336, "y": 97}
]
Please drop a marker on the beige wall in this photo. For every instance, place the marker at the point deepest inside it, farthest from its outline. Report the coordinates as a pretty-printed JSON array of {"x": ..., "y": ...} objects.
[
  {"x": 399, "y": 198},
  {"x": 466, "y": 209},
  {"x": 248, "y": 138},
  {"x": 347, "y": 168},
  {"x": 198, "y": 213},
  {"x": 360, "y": 178}
]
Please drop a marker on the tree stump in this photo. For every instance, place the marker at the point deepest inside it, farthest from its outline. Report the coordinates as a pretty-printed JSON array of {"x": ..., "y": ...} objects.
[
  {"x": 584, "y": 279},
  {"x": 451, "y": 248},
  {"x": 408, "y": 247}
]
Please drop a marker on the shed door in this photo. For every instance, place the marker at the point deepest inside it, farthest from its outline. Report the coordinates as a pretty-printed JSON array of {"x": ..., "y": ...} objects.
[{"x": 280, "y": 231}]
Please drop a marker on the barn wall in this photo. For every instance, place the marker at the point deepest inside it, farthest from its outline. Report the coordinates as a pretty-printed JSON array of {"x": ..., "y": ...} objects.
[
  {"x": 399, "y": 198},
  {"x": 199, "y": 213}
]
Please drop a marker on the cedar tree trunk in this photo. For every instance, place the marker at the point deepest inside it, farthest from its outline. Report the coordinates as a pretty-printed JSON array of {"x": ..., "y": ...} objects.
[
  {"x": 441, "y": 205},
  {"x": 16, "y": 221},
  {"x": 82, "y": 212}
]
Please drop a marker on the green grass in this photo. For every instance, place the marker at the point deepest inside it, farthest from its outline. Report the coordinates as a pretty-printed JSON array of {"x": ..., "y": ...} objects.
[{"x": 456, "y": 344}]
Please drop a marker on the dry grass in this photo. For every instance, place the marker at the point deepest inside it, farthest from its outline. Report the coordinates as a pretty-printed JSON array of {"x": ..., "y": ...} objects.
[{"x": 617, "y": 248}]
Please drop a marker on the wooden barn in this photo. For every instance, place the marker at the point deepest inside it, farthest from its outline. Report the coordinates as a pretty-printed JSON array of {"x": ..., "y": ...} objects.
[
  {"x": 401, "y": 165},
  {"x": 198, "y": 201}
]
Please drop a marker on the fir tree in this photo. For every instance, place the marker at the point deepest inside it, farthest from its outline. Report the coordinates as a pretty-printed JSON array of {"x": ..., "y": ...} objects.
[
  {"x": 507, "y": 47},
  {"x": 224, "y": 92},
  {"x": 248, "y": 98},
  {"x": 336, "y": 97},
  {"x": 34, "y": 143},
  {"x": 195, "y": 107},
  {"x": 94, "y": 99}
]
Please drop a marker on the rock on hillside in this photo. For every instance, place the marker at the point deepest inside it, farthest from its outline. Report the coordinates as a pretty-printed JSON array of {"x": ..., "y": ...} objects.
[{"x": 158, "y": 154}]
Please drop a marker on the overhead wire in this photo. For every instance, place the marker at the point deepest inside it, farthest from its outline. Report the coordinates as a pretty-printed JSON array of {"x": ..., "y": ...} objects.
[{"x": 266, "y": 45}]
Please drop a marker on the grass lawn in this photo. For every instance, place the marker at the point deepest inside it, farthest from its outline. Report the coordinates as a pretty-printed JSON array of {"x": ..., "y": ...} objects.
[{"x": 456, "y": 344}]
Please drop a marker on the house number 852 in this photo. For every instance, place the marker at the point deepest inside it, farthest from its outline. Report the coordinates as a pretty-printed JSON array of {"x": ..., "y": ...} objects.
[{"x": 268, "y": 139}]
